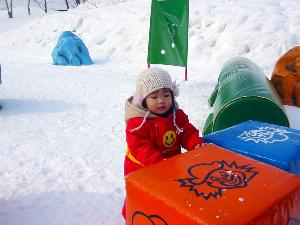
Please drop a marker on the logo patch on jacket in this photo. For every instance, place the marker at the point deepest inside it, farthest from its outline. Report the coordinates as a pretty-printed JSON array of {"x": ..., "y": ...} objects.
[{"x": 169, "y": 138}]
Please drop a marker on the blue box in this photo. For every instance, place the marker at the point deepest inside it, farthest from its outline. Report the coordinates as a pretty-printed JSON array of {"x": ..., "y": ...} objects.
[{"x": 272, "y": 144}]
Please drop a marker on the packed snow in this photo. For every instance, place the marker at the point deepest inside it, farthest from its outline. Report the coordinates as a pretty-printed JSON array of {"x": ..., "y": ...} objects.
[{"x": 62, "y": 140}]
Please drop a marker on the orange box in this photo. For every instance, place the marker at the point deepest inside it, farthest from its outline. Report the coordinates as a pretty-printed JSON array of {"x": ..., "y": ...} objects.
[{"x": 212, "y": 186}]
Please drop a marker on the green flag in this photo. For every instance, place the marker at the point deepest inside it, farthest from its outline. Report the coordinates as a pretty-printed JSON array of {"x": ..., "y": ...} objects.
[{"x": 168, "y": 36}]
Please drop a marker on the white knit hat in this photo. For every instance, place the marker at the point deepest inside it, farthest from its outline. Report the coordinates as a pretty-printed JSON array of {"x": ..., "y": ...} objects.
[{"x": 150, "y": 80}]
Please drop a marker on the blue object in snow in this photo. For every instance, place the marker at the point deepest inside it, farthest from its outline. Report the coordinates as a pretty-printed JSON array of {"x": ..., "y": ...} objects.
[
  {"x": 70, "y": 51},
  {"x": 0, "y": 83},
  {"x": 272, "y": 144}
]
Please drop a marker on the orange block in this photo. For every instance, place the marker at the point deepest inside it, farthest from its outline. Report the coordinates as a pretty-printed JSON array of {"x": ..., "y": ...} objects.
[{"x": 212, "y": 186}]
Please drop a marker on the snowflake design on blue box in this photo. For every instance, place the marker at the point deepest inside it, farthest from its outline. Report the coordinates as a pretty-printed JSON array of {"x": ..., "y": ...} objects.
[{"x": 265, "y": 135}]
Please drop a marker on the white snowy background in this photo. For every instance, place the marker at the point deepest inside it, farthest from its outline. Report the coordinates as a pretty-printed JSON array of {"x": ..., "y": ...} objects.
[{"x": 62, "y": 140}]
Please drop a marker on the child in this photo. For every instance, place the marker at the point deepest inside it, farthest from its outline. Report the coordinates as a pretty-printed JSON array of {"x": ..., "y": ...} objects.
[{"x": 155, "y": 126}]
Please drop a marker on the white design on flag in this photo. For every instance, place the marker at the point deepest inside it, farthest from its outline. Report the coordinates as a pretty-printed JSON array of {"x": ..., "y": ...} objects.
[
  {"x": 265, "y": 135},
  {"x": 172, "y": 21}
]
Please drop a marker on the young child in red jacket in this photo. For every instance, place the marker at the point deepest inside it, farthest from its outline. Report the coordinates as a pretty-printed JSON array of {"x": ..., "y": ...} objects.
[{"x": 155, "y": 126}]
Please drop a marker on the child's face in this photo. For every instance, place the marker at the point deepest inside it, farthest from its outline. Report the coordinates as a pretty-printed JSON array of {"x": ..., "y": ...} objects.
[{"x": 159, "y": 101}]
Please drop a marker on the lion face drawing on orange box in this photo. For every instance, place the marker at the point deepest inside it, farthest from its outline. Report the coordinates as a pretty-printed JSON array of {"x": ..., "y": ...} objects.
[{"x": 286, "y": 77}]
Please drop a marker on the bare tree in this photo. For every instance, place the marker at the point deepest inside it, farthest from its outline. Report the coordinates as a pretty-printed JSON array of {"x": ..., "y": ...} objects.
[
  {"x": 28, "y": 7},
  {"x": 67, "y": 4},
  {"x": 92, "y": 2},
  {"x": 45, "y": 6},
  {"x": 9, "y": 8},
  {"x": 75, "y": 3},
  {"x": 42, "y": 4}
]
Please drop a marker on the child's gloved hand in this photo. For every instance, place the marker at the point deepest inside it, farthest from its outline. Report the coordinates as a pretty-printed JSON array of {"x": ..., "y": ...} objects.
[{"x": 200, "y": 145}]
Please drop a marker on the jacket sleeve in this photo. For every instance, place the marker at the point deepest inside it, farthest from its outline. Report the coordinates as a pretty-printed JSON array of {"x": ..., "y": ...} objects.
[
  {"x": 190, "y": 135},
  {"x": 139, "y": 143}
]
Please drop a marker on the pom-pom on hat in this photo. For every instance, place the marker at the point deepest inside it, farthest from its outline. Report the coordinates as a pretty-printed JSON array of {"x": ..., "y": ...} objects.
[{"x": 150, "y": 80}]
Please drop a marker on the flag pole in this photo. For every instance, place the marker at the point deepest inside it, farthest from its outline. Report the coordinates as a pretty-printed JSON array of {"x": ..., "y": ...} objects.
[
  {"x": 185, "y": 73},
  {"x": 148, "y": 65}
]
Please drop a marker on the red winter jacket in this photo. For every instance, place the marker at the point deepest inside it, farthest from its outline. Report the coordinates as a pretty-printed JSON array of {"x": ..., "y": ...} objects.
[{"x": 157, "y": 138}]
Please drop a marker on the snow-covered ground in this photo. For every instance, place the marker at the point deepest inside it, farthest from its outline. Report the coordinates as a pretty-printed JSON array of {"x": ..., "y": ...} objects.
[{"x": 62, "y": 140}]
